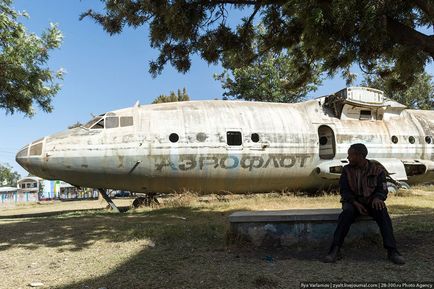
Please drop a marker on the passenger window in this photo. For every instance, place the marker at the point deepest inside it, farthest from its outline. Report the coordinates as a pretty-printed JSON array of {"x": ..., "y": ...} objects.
[
  {"x": 126, "y": 121},
  {"x": 111, "y": 122},
  {"x": 173, "y": 137},
  {"x": 255, "y": 137},
  {"x": 233, "y": 138}
]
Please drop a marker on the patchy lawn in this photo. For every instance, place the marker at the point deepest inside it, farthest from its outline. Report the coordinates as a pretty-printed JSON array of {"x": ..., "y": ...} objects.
[{"x": 182, "y": 245}]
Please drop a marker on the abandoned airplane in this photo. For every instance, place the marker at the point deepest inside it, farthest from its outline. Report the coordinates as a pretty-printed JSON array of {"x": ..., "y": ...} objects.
[{"x": 237, "y": 146}]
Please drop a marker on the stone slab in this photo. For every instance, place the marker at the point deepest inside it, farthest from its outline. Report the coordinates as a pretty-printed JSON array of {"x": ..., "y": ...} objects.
[
  {"x": 296, "y": 215},
  {"x": 295, "y": 227}
]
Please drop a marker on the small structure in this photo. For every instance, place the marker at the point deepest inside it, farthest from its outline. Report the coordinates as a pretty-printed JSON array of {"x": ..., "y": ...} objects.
[
  {"x": 12, "y": 196},
  {"x": 69, "y": 192},
  {"x": 34, "y": 189},
  {"x": 29, "y": 189},
  {"x": 50, "y": 190},
  {"x": 294, "y": 227},
  {"x": 8, "y": 195},
  {"x": 30, "y": 184}
]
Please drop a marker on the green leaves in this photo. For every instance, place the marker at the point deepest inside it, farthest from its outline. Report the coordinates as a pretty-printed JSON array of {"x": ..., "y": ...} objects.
[
  {"x": 181, "y": 96},
  {"x": 418, "y": 95},
  {"x": 271, "y": 78},
  {"x": 335, "y": 34},
  {"x": 8, "y": 177},
  {"x": 285, "y": 76},
  {"x": 24, "y": 78}
]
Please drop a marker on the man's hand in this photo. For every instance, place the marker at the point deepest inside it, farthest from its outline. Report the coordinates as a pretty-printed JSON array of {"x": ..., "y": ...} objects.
[
  {"x": 378, "y": 204},
  {"x": 362, "y": 210}
]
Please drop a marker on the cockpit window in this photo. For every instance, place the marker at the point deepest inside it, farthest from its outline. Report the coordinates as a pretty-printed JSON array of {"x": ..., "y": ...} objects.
[
  {"x": 99, "y": 124},
  {"x": 111, "y": 122},
  {"x": 126, "y": 121},
  {"x": 93, "y": 121},
  {"x": 22, "y": 153}
]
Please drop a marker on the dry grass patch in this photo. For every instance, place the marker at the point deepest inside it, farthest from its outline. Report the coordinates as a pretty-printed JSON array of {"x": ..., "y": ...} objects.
[{"x": 181, "y": 244}]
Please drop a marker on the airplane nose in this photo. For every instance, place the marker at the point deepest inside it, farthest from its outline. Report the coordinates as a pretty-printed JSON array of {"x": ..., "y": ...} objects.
[
  {"x": 30, "y": 157},
  {"x": 22, "y": 156}
]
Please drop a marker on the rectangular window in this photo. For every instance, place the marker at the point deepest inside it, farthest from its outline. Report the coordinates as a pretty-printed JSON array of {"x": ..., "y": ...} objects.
[
  {"x": 365, "y": 114},
  {"x": 111, "y": 122},
  {"x": 126, "y": 121},
  {"x": 36, "y": 149},
  {"x": 233, "y": 138},
  {"x": 22, "y": 153}
]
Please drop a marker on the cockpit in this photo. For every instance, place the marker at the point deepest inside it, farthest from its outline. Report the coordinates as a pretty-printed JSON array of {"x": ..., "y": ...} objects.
[{"x": 109, "y": 120}]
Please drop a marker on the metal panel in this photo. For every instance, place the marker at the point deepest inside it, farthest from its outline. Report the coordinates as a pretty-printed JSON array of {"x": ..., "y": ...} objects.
[{"x": 394, "y": 167}]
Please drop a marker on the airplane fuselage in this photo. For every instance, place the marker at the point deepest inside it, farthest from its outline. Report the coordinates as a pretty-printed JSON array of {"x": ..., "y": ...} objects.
[{"x": 235, "y": 146}]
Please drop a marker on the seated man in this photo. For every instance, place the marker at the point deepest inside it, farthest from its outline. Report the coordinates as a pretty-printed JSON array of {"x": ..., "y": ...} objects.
[{"x": 363, "y": 189}]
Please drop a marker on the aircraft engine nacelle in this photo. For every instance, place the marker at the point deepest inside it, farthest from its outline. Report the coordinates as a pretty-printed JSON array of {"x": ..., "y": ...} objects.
[{"x": 331, "y": 170}]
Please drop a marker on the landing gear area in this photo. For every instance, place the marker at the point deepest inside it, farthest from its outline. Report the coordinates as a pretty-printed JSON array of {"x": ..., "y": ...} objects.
[
  {"x": 106, "y": 197},
  {"x": 149, "y": 200},
  {"x": 394, "y": 186}
]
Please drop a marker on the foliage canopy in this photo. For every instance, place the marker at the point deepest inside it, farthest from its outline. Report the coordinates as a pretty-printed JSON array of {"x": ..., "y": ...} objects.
[
  {"x": 8, "y": 177},
  {"x": 335, "y": 34},
  {"x": 172, "y": 97},
  {"x": 418, "y": 95},
  {"x": 271, "y": 77},
  {"x": 24, "y": 77}
]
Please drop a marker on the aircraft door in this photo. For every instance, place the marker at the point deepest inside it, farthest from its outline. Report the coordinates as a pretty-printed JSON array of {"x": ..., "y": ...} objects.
[{"x": 327, "y": 142}]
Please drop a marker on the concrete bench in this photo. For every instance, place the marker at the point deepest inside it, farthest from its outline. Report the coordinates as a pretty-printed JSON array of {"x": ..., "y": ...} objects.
[{"x": 294, "y": 227}]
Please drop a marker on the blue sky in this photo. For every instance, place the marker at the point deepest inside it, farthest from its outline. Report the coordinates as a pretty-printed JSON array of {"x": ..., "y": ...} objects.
[{"x": 103, "y": 73}]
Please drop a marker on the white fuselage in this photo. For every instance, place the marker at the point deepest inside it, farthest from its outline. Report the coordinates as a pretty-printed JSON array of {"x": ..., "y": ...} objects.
[{"x": 232, "y": 146}]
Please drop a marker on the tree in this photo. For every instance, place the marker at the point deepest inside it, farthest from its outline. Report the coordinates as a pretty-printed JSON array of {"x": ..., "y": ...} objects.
[
  {"x": 419, "y": 95},
  {"x": 273, "y": 77},
  {"x": 24, "y": 79},
  {"x": 335, "y": 34},
  {"x": 8, "y": 177},
  {"x": 172, "y": 97}
]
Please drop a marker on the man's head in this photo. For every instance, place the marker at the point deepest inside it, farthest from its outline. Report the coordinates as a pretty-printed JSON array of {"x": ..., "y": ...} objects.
[{"x": 357, "y": 154}]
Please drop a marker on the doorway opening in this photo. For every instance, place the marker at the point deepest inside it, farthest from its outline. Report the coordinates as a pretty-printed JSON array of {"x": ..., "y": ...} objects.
[{"x": 327, "y": 143}]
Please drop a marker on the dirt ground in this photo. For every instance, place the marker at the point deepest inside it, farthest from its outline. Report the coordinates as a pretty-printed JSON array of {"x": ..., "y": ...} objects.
[
  {"x": 53, "y": 207},
  {"x": 182, "y": 244}
]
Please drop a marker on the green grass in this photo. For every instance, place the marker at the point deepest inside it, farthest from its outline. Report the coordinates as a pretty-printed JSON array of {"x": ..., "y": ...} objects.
[{"x": 182, "y": 244}]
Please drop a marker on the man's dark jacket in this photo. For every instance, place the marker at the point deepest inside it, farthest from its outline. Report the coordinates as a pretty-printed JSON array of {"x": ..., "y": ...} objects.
[{"x": 363, "y": 184}]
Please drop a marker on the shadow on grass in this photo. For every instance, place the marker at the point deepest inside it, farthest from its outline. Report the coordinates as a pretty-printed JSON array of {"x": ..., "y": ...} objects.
[
  {"x": 190, "y": 250},
  {"x": 77, "y": 231}
]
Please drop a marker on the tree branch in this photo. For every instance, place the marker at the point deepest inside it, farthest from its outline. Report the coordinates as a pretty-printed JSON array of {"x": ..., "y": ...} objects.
[
  {"x": 257, "y": 7},
  {"x": 404, "y": 35}
]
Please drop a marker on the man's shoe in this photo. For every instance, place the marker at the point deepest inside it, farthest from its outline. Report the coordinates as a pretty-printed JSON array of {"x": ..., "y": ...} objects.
[
  {"x": 395, "y": 257},
  {"x": 333, "y": 255}
]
